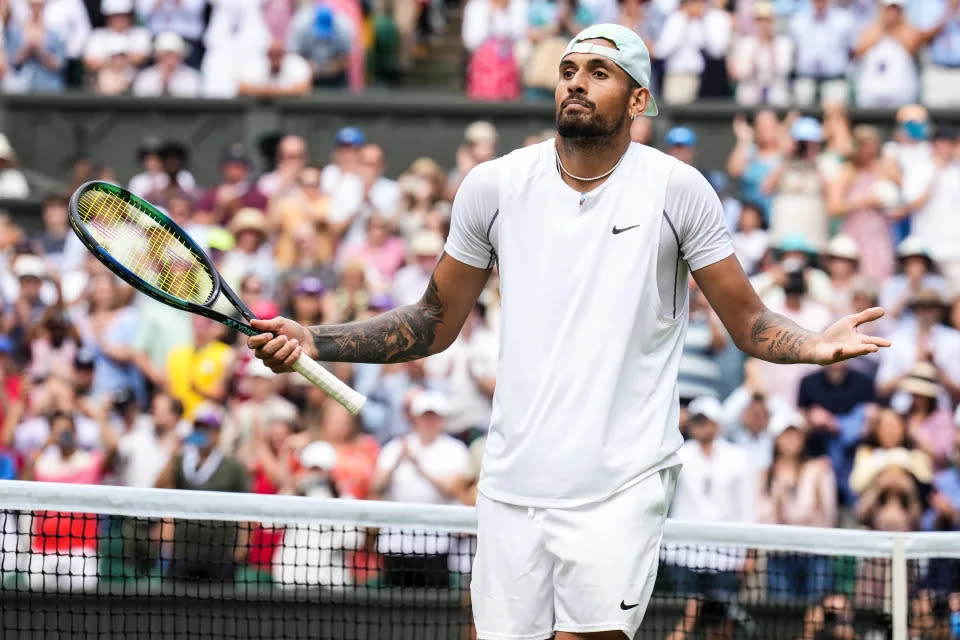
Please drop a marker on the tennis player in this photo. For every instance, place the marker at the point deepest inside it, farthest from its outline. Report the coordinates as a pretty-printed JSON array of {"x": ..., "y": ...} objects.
[{"x": 594, "y": 237}]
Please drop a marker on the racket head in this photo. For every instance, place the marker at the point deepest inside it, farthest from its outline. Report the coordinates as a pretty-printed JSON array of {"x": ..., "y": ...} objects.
[{"x": 144, "y": 247}]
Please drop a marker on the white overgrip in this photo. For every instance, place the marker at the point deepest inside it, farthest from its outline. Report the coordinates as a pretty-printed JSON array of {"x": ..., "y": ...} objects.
[{"x": 334, "y": 386}]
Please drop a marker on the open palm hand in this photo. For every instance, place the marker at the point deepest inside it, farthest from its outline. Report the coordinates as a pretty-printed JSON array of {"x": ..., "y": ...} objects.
[{"x": 842, "y": 340}]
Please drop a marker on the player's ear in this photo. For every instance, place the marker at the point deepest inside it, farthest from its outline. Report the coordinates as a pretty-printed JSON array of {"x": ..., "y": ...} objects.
[{"x": 639, "y": 97}]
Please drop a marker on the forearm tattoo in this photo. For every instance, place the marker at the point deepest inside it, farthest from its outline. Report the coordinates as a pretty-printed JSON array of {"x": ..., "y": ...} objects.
[
  {"x": 778, "y": 339},
  {"x": 405, "y": 333}
]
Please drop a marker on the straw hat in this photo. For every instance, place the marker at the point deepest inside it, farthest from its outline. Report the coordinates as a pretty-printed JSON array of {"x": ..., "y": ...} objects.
[
  {"x": 923, "y": 380},
  {"x": 843, "y": 246},
  {"x": 248, "y": 219}
]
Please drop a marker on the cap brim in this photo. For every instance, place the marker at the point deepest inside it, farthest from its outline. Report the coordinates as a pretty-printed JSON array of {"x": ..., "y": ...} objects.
[{"x": 652, "y": 108}]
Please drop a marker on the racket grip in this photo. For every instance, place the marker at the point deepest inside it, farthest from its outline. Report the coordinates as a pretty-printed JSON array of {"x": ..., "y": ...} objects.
[{"x": 334, "y": 386}]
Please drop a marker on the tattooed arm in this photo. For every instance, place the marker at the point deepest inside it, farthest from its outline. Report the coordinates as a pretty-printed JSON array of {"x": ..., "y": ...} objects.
[
  {"x": 405, "y": 333},
  {"x": 763, "y": 334}
]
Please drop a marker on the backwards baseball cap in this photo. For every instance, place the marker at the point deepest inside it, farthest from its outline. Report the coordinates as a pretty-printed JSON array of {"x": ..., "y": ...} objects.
[
  {"x": 630, "y": 53},
  {"x": 350, "y": 137},
  {"x": 680, "y": 137}
]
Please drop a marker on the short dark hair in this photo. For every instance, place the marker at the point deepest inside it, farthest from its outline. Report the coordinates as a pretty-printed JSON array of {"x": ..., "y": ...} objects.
[{"x": 55, "y": 198}]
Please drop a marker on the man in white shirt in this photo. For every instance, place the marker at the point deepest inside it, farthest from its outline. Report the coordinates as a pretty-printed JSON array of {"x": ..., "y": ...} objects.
[
  {"x": 118, "y": 36},
  {"x": 687, "y": 33},
  {"x": 144, "y": 451},
  {"x": 277, "y": 73},
  {"x": 291, "y": 159},
  {"x": 424, "y": 466},
  {"x": 718, "y": 484},
  {"x": 411, "y": 281},
  {"x": 823, "y": 36},
  {"x": 594, "y": 237},
  {"x": 169, "y": 76}
]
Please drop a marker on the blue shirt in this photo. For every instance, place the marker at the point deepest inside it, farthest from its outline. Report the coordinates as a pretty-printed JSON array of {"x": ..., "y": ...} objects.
[
  {"x": 945, "y": 48},
  {"x": 946, "y": 482},
  {"x": 823, "y": 43},
  {"x": 751, "y": 182},
  {"x": 32, "y": 76},
  {"x": 110, "y": 376}
]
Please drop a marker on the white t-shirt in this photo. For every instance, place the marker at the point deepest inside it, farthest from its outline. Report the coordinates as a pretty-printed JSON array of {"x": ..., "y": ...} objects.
[
  {"x": 593, "y": 314},
  {"x": 141, "y": 455},
  {"x": 103, "y": 41},
  {"x": 294, "y": 70},
  {"x": 185, "y": 82},
  {"x": 456, "y": 369},
  {"x": 66, "y": 18}
]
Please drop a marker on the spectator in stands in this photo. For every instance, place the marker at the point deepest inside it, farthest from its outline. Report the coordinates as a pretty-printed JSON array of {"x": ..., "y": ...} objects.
[
  {"x": 831, "y": 619},
  {"x": 367, "y": 192},
  {"x": 252, "y": 254},
  {"x": 61, "y": 459},
  {"x": 310, "y": 302},
  {"x": 425, "y": 466},
  {"x": 746, "y": 418},
  {"x": 54, "y": 343},
  {"x": 198, "y": 372},
  {"x": 356, "y": 452},
  {"x": 12, "y": 397},
  {"x": 344, "y": 157},
  {"x": 491, "y": 28},
  {"x": 935, "y": 200},
  {"x": 305, "y": 238},
  {"x": 700, "y": 374},
  {"x": 169, "y": 76},
  {"x": 201, "y": 549},
  {"x": 264, "y": 406},
  {"x": 681, "y": 143},
  {"x": 13, "y": 184},
  {"x": 290, "y": 161},
  {"x": 323, "y": 41},
  {"x": 691, "y": 36},
  {"x": 549, "y": 27},
  {"x": 353, "y": 294},
  {"x": 182, "y": 17},
  {"x": 479, "y": 145},
  {"x": 269, "y": 456},
  {"x": 235, "y": 34},
  {"x": 917, "y": 272},
  {"x": 887, "y": 444},
  {"x": 751, "y": 239},
  {"x": 938, "y": 75},
  {"x": 56, "y": 229},
  {"x": 823, "y": 36},
  {"x": 236, "y": 190},
  {"x": 467, "y": 370},
  {"x": 797, "y": 490},
  {"x": 841, "y": 260},
  {"x": 887, "y": 73},
  {"x": 411, "y": 281},
  {"x": 69, "y": 21},
  {"x": 110, "y": 331},
  {"x": 760, "y": 64},
  {"x": 834, "y": 400},
  {"x": 758, "y": 151},
  {"x": 931, "y": 427},
  {"x": 837, "y": 139},
  {"x": 145, "y": 451},
  {"x": 859, "y": 196},
  {"x": 36, "y": 55},
  {"x": 717, "y": 485},
  {"x": 381, "y": 251},
  {"x": 119, "y": 38},
  {"x": 943, "y": 512},
  {"x": 165, "y": 175},
  {"x": 277, "y": 73},
  {"x": 116, "y": 75},
  {"x": 923, "y": 340}
]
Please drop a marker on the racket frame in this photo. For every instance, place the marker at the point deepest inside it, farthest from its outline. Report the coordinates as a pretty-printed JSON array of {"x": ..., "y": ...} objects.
[{"x": 219, "y": 286}]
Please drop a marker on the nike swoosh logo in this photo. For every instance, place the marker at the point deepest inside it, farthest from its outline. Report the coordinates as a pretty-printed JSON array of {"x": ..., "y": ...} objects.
[
  {"x": 617, "y": 230},
  {"x": 624, "y": 605}
]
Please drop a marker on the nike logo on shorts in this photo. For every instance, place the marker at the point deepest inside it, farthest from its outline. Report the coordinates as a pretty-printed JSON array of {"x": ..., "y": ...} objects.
[
  {"x": 624, "y": 605},
  {"x": 617, "y": 230}
]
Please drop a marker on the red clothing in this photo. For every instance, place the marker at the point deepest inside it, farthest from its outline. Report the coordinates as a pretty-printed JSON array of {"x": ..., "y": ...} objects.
[
  {"x": 11, "y": 390},
  {"x": 55, "y": 532},
  {"x": 262, "y": 482},
  {"x": 253, "y": 197},
  {"x": 354, "y": 467}
]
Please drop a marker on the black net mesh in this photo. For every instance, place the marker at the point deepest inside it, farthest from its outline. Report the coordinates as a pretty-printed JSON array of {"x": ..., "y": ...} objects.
[{"x": 84, "y": 575}]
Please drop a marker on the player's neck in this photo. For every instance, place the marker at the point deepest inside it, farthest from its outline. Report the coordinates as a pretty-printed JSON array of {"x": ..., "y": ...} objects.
[{"x": 589, "y": 158}]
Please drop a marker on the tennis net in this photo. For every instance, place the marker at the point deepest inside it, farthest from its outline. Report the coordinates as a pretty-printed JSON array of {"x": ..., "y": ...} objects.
[{"x": 80, "y": 561}]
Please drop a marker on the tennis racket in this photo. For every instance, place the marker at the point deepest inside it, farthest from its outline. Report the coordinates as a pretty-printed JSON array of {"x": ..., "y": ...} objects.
[{"x": 148, "y": 250}]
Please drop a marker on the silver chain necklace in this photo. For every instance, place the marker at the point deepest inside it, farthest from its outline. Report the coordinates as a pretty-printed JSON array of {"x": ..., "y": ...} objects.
[{"x": 599, "y": 177}]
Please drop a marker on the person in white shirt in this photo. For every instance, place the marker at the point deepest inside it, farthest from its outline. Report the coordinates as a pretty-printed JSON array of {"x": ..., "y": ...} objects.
[
  {"x": 169, "y": 76},
  {"x": 66, "y": 18},
  {"x": 687, "y": 33},
  {"x": 182, "y": 17},
  {"x": 823, "y": 36},
  {"x": 424, "y": 466},
  {"x": 277, "y": 73},
  {"x": 144, "y": 451},
  {"x": 236, "y": 34},
  {"x": 119, "y": 36},
  {"x": 718, "y": 484},
  {"x": 760, "y": 64},
  {"x": 411, "y": 281},
  {"x": 933, "y": 221},
  {"x": 594, "y": 237},
  {"x": 13, "y": 184}
]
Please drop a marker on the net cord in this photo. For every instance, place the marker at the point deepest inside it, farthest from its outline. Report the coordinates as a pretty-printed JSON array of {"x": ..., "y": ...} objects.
[{"x": 204, "y": 505}]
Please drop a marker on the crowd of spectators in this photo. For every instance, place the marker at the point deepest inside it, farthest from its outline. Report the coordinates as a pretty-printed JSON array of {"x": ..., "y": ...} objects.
[
  {"x": 102, "y": 385},
  {"x": 872, "y": 53}
]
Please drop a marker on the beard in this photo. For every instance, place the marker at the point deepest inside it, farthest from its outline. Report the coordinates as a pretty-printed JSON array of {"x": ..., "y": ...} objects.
[{"x": 588, "y": 128}]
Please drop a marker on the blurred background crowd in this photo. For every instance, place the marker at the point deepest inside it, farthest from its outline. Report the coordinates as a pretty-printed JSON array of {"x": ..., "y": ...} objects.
[{"x": 875, "y": 53}]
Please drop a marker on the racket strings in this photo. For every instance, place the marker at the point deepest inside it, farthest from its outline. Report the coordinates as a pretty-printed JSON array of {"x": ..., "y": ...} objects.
[{"x": 143, "y": 245}]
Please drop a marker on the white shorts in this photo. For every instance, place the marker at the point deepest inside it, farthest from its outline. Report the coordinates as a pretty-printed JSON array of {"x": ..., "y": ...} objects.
[{"x": 585, "y": 569}]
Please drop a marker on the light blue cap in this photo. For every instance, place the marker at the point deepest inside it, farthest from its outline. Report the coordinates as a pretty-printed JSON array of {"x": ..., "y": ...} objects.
[
  {"x": 806, "y": 129},
  {"x": 680, "y": 137},
  {"x": 630, "y": 54}
]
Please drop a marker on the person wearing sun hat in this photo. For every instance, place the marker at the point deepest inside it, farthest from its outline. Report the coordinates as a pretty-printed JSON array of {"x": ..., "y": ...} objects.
[
  {"x": 919, "y": 395},
  {"x": 252, "y": 252},
  {"x": 917, "y": 271}
]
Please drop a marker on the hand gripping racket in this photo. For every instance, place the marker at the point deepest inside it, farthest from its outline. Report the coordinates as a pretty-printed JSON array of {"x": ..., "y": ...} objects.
[{"x": 139, "y": 243}]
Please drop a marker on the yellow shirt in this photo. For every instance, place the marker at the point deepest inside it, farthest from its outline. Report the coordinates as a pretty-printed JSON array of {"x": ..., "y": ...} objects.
[{"x": 203, "y": 369}]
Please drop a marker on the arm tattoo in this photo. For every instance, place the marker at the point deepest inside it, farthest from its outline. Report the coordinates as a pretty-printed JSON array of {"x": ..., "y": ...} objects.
[
  {"x": 405, "y": 333},
  {"x": 777, "y": 339}
]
